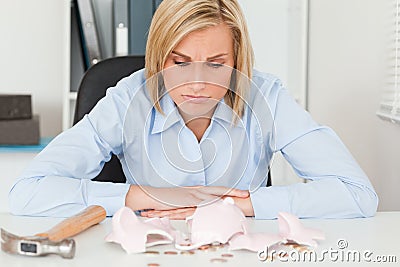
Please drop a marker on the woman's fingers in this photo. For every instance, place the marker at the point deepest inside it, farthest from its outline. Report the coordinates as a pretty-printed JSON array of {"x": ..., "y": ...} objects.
[{"x": 175, "y": 214}]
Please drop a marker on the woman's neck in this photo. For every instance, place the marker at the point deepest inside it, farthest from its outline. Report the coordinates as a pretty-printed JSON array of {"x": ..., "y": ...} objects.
[{"x": 198, "y": 124}]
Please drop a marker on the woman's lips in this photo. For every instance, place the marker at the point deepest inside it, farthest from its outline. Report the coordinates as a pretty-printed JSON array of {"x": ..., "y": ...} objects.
[{"x": 195, "y": 99}]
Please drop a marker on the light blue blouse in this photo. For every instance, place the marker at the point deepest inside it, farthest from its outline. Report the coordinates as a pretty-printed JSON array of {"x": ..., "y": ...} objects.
[{"x": 159, "y": 150}]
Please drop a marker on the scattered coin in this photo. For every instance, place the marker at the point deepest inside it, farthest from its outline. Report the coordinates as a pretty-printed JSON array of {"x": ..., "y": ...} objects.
[
  {"x": 152, "y": 252},
  {"x": 204, "y": 247},
  {"x": 218, "y": 260},
  {"x": 187, "y": 252},
  {"x": 217, "y": 245},
  {"x": 299, "y": 247},
  {"x": 170, "y": 252},
  {"x": 227, "y": 255},
  {"x": 185, "y": 244},
  {"x": 153, "y": 264},
  {"x": 291, "y": 244},
  {"x": 302, "y": 249}
]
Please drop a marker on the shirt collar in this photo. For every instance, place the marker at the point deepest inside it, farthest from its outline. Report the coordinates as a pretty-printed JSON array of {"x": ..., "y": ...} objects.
[
  {"x": 171, "y": 115},
  {"x": 224, "y": 113}
]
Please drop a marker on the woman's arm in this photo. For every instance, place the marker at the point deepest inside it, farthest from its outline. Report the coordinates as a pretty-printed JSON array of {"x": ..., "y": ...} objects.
[
  {"x": 336, "y": 186},
  {"x": 57, "y": 182},
  {"x": 165, "y": 201}
]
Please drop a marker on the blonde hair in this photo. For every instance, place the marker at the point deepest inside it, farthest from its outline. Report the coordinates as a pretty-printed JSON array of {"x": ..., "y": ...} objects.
[{"x": 174, "y": 19}]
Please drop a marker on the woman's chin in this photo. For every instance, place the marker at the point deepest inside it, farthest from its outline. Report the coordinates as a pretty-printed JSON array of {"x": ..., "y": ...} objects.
[{"x": 205, "y": 109}]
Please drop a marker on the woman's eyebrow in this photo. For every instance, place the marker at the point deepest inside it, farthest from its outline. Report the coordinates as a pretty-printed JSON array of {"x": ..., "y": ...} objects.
[
  {"x": 180, "y": 54},
  {"x": 217, "y": 56},
  {"x": 209, "y": 58}
]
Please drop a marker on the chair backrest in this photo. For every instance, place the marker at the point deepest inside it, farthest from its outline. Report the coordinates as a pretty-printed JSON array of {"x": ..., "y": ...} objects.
[{"x": 93, "y": 87}]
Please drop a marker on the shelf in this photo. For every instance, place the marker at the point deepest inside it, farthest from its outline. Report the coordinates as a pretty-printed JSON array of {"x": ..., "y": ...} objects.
[{"x": 44, "y": 141}]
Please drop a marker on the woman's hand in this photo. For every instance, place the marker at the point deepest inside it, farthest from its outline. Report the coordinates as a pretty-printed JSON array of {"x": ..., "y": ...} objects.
[
  {"x": 244, "y": 203},
  {"x": 174, "y": 214},
  {"x": 153, "y": 198}
]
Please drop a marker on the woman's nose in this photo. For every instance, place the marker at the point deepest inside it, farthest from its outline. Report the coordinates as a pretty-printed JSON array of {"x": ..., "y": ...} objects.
[{"x": 197, "y": 85}]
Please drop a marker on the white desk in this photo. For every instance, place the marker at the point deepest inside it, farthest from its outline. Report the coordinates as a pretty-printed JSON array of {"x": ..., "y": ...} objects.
[
  {"x": 13, "y": 160},
  {"x": 378, "y": 235},
  {"x": 11, "y": 166}
]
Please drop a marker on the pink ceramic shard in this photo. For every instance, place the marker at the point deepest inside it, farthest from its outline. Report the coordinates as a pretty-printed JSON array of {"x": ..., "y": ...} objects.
[
  {"x": 253, "y": 241},
  {"x": 135, "y": 235},
  {"x": 165, "y": 224},
  {"x": 291, "y": 229},
  {"x": 216, "y": 222}
]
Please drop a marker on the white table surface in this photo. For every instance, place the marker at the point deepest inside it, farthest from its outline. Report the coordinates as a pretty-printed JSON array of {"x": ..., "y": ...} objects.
[
  {"x": 11, "y": 166},
  {"x": 379, "y": 235}
]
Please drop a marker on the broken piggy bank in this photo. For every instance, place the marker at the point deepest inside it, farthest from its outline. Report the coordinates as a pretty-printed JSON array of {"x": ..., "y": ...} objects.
[
  {"x": 212, "y": 223},
  {"x": 219, "y": 222},
  {"x": 135, "y": 235}
]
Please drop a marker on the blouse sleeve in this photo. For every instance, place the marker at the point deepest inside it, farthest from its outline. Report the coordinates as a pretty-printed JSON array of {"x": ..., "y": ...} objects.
[{"x": 335, "y": 187}]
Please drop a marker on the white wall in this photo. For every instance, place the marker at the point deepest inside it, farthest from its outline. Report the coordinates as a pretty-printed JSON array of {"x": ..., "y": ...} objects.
[
  {"x": 278, "y": 34},
  {"x": 349, "y": 43},
  {"x": 278, "y": 31},
  {"x": 34, "y": 52}
]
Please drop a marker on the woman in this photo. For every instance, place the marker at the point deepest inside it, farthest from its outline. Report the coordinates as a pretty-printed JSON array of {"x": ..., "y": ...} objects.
[{"x": 196, "y": 124}]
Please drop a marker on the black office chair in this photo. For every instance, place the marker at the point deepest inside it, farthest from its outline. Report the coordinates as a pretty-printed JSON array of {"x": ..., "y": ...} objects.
[{"x": 93, "y": 87}]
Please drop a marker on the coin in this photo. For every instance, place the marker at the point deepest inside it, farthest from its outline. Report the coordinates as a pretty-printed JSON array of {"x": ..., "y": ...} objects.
[
  {"x": 302, "y": 249},
  {"x": 152, "y": 252},
  {"x": 227, "y": 255},
  {"x": 217, "y": 245},
  {"x": 187, "y": 252},
  {"x": 185, "y": 244},
  {"x": 170, "y": 252},
  {"x": 204, "y": 247},
  {"x": 217, "y": 260}
]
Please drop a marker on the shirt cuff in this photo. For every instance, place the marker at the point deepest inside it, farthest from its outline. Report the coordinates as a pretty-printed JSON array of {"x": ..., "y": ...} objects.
[
  {"x": 269, "y": 201},
  {"x": 111, "y": 196}
]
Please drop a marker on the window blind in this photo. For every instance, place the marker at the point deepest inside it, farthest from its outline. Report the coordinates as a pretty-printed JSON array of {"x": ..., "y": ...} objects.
[{"x": 389, "y": 108}]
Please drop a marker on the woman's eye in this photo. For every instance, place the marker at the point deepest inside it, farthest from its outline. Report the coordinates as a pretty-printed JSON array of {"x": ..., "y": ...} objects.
[
  {"x": 214, "y": 64},
  {"x": 181, "y": 63}
]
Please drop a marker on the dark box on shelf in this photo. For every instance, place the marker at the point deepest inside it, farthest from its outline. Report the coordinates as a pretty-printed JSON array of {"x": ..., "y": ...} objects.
[
  {"x": 14, "y": 107},
  {"x": 20, "y": 132}
]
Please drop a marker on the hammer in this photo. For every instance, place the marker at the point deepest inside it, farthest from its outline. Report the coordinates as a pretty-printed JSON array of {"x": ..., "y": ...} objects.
[{"x": 56, "y": 240}]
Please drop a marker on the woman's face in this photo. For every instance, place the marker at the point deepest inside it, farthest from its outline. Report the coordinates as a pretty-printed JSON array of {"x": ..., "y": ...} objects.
[{"x": 197, "y": 73}]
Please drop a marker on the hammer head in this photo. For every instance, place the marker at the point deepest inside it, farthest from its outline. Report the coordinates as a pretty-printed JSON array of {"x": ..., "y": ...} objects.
[{"x": 36, "y": 246}]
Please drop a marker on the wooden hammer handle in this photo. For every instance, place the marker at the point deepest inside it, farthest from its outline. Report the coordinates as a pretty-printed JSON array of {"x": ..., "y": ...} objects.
[{"x": 76, "y": 224}]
